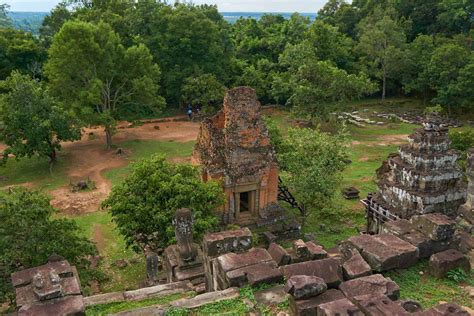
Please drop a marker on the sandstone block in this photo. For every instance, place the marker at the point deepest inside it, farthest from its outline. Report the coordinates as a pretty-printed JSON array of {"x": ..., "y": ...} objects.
[
  {"x": 436, "y": 226},
  {"x": 309, "y": 306},
  {"x": 263, "y": 273},
  {"x": 441, "y": 263},
  {"x": 69, "y": 305},
  {"x": 300, "y": 249},
  {"x": 375, "y": 285},
  {"x": 215, "y": 244},
  {"x": 328, "y": 269},
  {"x": 340, "y": 307},
  {"x": 279, "y": 254},
  {"x": 206, "y": 298},
  {"x": 305, "y": 286},
  {"x": 446, "y": 309},
  {"x": 316, "y": 252},
  {"x": 375, "y": 306},
  {"x": 355, "y": 267},
  {"x": 385, "y": 251}
]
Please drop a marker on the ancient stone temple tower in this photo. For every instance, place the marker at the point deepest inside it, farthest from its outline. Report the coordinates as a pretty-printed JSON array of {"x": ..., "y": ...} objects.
[
  {"x": 423, "y": 177},
  {"x": 234, "y": 147}
]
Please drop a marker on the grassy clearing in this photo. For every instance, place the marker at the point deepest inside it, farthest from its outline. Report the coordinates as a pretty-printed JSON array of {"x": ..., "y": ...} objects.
[
  {"x": 416, "y": 284},
  {"x": 144, "y": 149},
  {"x": 35, "y": 171},
  {"x": 99, "y": 228}
]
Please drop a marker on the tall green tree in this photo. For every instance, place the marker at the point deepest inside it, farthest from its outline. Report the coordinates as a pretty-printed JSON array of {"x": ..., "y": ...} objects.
[
  {"x": 144, "y": 204},
  {"x": 53, "y": 22},
  {"x": 5, "y": 20},
  {"x": 312, "y": 163},
  {"x": 204, "y": 91},
  {"x": 30, "y": 234},
  {"x": 20, "y": 51},
  {"x": 91, "y": 70},
  {"x": 34, "y": 123},
  {"x": 449, "y": 70},
  {"x": 380, "y": 45}
]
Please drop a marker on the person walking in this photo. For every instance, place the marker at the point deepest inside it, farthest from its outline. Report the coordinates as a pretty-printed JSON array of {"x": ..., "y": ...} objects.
[{"x": 190, "y": 112}]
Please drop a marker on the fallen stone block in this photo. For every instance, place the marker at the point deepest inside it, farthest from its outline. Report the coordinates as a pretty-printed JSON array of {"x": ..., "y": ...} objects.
[
  {"x": 441, "y": 263},
  {"x": 272, "y": 296},
  {"x": 263, "y": 274},
  {"x": 436, "y": 226},
  {"x": 144, "y": 311},
  {"x": 426, "y": 247},
  {"x": 374, "y": 306},
  {"x": 279, "y": 254},
  {"x": 384, "y": 252},
  {"x": 269, "y": 238},
  {"x": 104, "y": 298},
  {"x": 355, "y": 266},
  {"x": 305, "y": 286},
  {"x": 69, "y": 305},
  {"x": 300, "y": 249},
  {"x": 446, "y": 309},
  {"x": 206, "y": 298},
  {"x": 215, "y": 244},
  {"x": 158, "y": 290},
  {"x": 316, "y": 252},
  {"x": 232, "y": 261},
  {"x": 466, "y": 242},
  {"x": 398, "y": 228},
  {"x": 328, "y": 269},
  {"x": 375, "y": 285},
  {"x": 411, "y": 306},
  {"x": 309, "y": 307},
  {"x": 339, "y": 307}
]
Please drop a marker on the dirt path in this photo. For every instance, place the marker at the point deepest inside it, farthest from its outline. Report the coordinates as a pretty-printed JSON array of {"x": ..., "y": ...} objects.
[{"x": 89, "y": 159}]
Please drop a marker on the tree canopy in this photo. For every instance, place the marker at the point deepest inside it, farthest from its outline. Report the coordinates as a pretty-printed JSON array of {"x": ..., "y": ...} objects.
[
  {"x": 29, "y": 235},
  {"x": 144, "y": 204},
  {"x": 34, "y": 123}
]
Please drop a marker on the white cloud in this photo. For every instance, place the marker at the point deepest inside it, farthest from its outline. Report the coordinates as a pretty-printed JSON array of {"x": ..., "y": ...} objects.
[{"x": 224, "y": 5}]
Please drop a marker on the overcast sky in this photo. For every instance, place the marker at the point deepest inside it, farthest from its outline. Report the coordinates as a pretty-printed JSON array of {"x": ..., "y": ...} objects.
[{"x": 224, "y": 5}]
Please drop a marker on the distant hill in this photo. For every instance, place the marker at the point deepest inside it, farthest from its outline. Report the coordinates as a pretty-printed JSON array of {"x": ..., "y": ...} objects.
[
  {"x": 31, "y": 21},
  {"x": 27, "y": 21}
]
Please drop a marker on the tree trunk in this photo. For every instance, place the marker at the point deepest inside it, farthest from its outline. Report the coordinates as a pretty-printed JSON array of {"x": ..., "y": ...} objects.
[
  {"x": 384, "y": 86},
  {"x": 108, "y": 136},
  {"x": 52, "y": 160}
]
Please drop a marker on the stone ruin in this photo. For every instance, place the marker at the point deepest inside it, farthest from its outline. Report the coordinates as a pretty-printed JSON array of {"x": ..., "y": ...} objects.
[
  {"x": 423, "y": 177},
  {"x": 346, "y": 280},
  {"x": 50, "y": 289},
  {"x": 467, "y": 210},
  {"x": 234, "y": 147},
  {"x": 183, "y": 261}
]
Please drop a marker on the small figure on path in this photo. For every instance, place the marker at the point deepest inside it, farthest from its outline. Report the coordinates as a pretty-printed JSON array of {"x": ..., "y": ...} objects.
[{"x": 190, "y": 112}]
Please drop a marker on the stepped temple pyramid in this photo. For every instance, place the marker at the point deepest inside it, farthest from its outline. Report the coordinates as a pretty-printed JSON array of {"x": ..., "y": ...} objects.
[
  {"x": 234, "y": 147},
  {"x": 423, "y": 177}
]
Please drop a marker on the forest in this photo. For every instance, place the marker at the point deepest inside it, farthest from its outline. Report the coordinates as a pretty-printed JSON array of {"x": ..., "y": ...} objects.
[{"x": 84, "y": 95}]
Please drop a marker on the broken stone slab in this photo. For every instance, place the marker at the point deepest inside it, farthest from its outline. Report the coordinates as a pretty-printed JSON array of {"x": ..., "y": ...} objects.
[
  {"x": 375, "y": 285},
  {"x": 272, "y": 296},
  {"x": 158, "y": 290},
  {"x": 279, "y": 254},
  {"x": 206, "y": 298},
  {"x": 339, "y": 307},
  {"x": 144, "y": 311},
  {"x": 384, "y": 252},
  {"x": 466, "y": 242},
  {"x": 269, "y": 238},
  {"x": 309, "y": 307},
  {"x": 328, "y": 269},
  {"x": 263, "y": 274},
  {"x": 232, "y": 261},
  {"x": 305, "y": 286},
  {"x": 446, "y": 309},
  {"x": 398, "y": 227},
  {"x": 355, "y": 266},
  {"x": 378, "y": 305},
  {"x": 441, "y": 263},
  {"x": 69, "y": 305},
  {"x": 300, "y": 249},
  {"x": 436, "y": 226},
  {"x": 316, "y": 252},
  {"x": 215, "y": 244},
  {"x": 104, "y": 298}
]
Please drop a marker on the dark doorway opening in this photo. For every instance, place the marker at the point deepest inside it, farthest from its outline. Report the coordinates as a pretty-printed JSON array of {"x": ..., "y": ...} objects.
[{"x": 244, "y": 202}]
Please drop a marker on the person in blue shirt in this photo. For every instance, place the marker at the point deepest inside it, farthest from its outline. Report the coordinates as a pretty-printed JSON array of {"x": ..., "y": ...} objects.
[{"x": 190, "y": 112}]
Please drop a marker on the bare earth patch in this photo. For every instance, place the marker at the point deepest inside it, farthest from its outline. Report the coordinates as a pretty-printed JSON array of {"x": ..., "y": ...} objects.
[{"x": 90, "y": 159}]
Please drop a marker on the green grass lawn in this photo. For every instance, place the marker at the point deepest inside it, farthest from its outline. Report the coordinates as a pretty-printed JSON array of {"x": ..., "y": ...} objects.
[{"x": 145, "y": 149}]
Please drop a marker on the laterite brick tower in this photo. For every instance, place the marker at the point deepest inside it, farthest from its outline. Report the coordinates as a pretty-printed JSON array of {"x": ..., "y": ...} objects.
[
  {"x": 234, "y": 147},
  {"x": 423, "y": 177}
]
